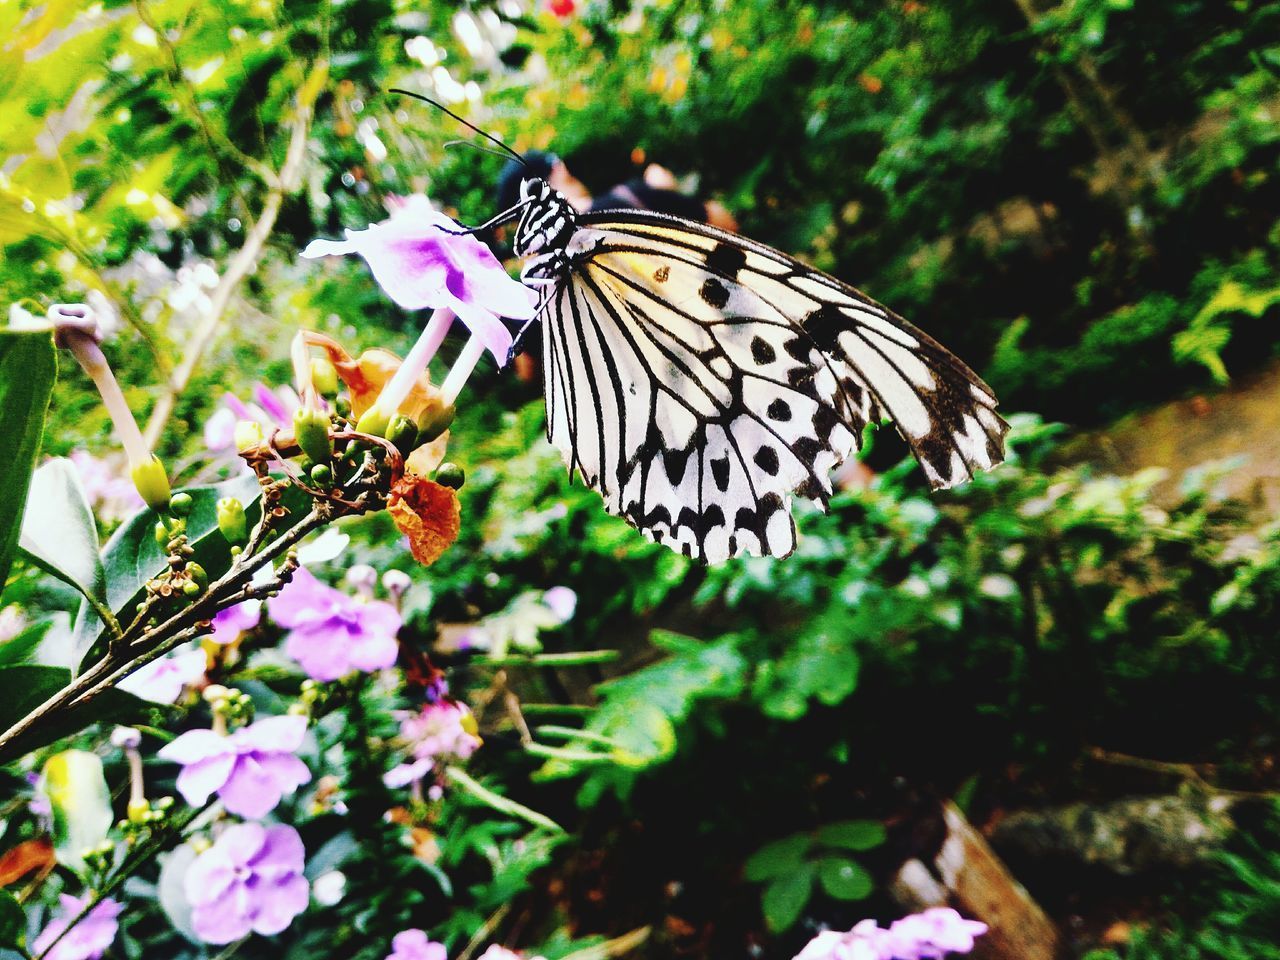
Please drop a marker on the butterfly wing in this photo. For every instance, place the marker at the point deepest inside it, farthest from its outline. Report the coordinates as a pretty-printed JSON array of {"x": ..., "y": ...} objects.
[{"x": 698, "y": 381}]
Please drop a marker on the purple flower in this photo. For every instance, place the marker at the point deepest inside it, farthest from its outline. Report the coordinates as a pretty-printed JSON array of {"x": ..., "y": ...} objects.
[
  {"x": 163, "y": 679},
  {"x": 88, "y": 939},
  {"x": 250, "y": 770},
  {"x": 445, "y": 728},
  {"x": 407, "y": 773},
  {"x": 332, "y": 634},
  {"x": 270, "y": 408},
  {"x": 233, "y": 621},
  {"x": 414, "y": 945},
  {"x": 420, "y": 265},
  {"x": 930, "y": 935},
  {"x": 249, "y": 880},
  {"x": 110, "y": 492}
]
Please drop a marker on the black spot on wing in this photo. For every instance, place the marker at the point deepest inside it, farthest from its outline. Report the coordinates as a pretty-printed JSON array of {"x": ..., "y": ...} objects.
[
  {"x": 766, "y": 459},
  {"x": 714, "y": 293},
  {"x": 675, "y": 462},
  {"x": 726, "y": 259},
  {"x": 779, "y": 410},
  {"x": 720, "y": 472},
  {"x": 825, "y": 325},
  {"x": 761, "y": 351}
]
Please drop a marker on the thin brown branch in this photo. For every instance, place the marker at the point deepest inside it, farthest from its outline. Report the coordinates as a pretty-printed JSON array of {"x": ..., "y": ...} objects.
[{"x": 241, "y": 265}]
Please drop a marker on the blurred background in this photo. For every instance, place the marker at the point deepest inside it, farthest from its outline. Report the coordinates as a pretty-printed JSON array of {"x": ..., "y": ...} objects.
[{"x": 1074, "y": 658}]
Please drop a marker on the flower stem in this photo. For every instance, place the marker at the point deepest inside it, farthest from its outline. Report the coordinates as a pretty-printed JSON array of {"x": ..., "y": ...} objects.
[
  {"x": 402, "y": 381},
  {"x": 462, "y": 368},
  {"x": 91, "y": 358}
]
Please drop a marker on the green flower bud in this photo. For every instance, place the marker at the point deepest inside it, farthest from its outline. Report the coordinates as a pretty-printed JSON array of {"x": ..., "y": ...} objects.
[
  {"x": 181, "y": 504},
  {"x": 196, "y": 573},
  {"x": 435, "y": 422},
  {"x": 449, "y": 474},
  {"x": 231, "y": 520},
  {"x": 311, "y": 427},
  {"x": 152, "y": 482},
  {"x": 321, "y": 475},
  {"x": 403, "y": 432},
  {"x": 343, "y": 406},
  {"x": 162, "y": 534},
  {"x": 138, "y": 811},
  {"x": 373, "y": 422},
  {"x": 190, "y": 589},
  {"x": 248, "y": 434},
  {"x": 323, "y": 376}
]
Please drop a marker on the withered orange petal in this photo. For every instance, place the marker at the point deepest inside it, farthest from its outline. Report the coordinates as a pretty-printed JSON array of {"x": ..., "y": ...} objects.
[{"x": 428, "y": 514}]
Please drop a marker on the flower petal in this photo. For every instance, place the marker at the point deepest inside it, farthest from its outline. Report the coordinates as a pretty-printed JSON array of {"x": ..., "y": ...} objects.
[
  {"x": 304, "y": 599},
  {"x": 328, "y": 248},
  {"x": 250, "y": 791},
  {"x": 282, "y": 852},
  {"x": 278, "y": 903},
  {"x": 272, "y": 735},
  {"x": 491, "y": 331},
  {"x": 428, "y": 514}
]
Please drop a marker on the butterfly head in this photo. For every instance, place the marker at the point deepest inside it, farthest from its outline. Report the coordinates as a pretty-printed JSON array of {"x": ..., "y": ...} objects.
[{"x": 547, "y": 221}]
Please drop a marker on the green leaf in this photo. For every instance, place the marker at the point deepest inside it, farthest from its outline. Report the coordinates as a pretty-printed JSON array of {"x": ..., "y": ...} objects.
[
  {"x": 21, "y": 648},
  {"x": 844, "y": 879},
  {"x": 642, "y": 711},
  {"x": 25, "y": 686},
  {"x": 785, "y": 897},
  {"x": 132, "y": 556},
  {"x": 28, "y": 367},
  {"x": 13, "y": 921},
  {"x": 59, "y": 534},
  {"x": 82, "y": 817},
  {"x": 852, "y": 834},
  {"x": 819, "y": 664},
  {"x": 777, "y": 858}
]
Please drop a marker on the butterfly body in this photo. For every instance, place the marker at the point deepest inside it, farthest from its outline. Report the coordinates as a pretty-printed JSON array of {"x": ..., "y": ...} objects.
[{"x": 699, "y": 381}]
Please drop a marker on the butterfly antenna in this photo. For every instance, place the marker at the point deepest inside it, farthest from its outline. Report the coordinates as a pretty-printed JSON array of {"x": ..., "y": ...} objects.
[
  {"x": 474, "y": 146},
  {"x": 470, "y": 126}
]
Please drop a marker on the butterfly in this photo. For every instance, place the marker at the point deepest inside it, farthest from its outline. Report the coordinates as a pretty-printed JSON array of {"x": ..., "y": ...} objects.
[{"x": 700, "y": 381}]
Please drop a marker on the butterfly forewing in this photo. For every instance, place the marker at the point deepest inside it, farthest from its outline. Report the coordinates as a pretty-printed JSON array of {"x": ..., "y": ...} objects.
[{"x": 698, "y": 380}]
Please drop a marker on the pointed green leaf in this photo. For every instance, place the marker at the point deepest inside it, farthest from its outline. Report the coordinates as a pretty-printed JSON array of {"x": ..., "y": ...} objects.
[
  {"x": 28, "y": 367},
  {"x": 852, "y": 834},
  {"x": 58, "y": 530},
  {"x": 784, "y": 898},
  {"x": 82, "y": 817},
  {"x": 844, "y": 879},
  {"x": 777, "y": 858},
  {"x": 132, "y": 556}
]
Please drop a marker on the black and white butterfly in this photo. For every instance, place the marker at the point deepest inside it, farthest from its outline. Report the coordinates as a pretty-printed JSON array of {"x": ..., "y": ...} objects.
[{"x": 699, "y": 380}]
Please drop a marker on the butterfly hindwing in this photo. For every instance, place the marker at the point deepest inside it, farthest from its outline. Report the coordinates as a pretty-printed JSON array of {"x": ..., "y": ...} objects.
[{"x": 698, "y": 380}]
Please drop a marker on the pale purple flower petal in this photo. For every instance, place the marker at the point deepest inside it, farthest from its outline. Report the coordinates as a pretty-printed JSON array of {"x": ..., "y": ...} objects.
[
  {"x": 265, "y": 889},
  {"x": 251, "y": 770},
  {"x": 421, "y": 265},
  {"x": 194, "y": 746},
  {"x": 272, "y": 735},
  {"x": 304, "y": 599},
  {"x": 88, "y": 939},
  {"x": 406, "y": 773},
  {"x": 930, "y": 935},
  {"x": 562, "y": 601},
  {"x": 413, "y": 945},
  {"x": 199, "y": 780},
  {"x": 332, "y": 634},
  {"x": 163, "y": 679},
  {"x": 233, "y": 621}
]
